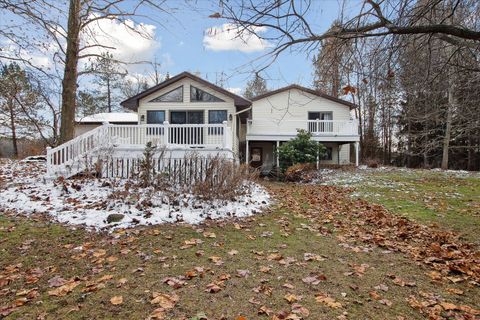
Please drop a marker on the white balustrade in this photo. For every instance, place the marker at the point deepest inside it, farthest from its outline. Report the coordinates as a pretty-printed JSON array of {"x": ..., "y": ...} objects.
[
  {"x": 315, "y": 127},
  {"x": 109, "y": 135}
]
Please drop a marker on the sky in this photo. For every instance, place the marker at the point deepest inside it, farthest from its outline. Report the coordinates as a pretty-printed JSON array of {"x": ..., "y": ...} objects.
[
  {"x": 191, "y": 41},
  {"x": 186, "y": 39}
]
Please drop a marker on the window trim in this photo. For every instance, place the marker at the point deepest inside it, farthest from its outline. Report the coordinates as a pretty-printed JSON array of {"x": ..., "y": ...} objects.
[{"x": 181, "y": 101}]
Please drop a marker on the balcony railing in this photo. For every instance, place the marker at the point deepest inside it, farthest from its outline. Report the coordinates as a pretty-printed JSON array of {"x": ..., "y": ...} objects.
[
  {"x": 218, "y": 136},
  {"x": 190, "y": 135},
  {"x": 290, "y": 127}
]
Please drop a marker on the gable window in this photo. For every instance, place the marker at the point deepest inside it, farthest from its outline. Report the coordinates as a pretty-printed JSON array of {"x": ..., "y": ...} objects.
[
  {"x": 198, "y": 95},
  {"x": 325, "y": 124},
  {"x": 216, "y": 117},
  {"x": 176, "y": 95}
]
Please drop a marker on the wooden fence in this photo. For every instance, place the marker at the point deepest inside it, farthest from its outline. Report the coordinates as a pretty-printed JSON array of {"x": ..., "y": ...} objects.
[{"x": 181, "y": 171}]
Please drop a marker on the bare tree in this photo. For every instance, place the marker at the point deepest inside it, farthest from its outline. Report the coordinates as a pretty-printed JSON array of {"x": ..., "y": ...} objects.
[{"x": 66, "y": 26}]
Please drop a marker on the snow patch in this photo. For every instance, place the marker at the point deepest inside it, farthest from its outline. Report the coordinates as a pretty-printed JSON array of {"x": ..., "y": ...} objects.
[{"x": 89, "y": 202}]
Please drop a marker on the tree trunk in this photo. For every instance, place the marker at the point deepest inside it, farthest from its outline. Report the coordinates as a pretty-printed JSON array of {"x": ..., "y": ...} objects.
[
  {"x": 109, "y": 98},
  {"x": 70, "y": 75},
  {"x": 448, "y": 124},
  {"x": 13, "y": 128}
]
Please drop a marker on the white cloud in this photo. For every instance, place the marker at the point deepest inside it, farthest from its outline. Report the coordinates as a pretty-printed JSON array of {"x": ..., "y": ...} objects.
[
  {"x": 228, "y": 37},
  {"x": 235, "y": 90},
  {"x": 128, "y": 41}
]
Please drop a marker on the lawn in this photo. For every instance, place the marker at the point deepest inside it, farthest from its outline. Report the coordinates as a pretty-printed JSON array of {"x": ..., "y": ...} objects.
[
  {"x": 319, "y": 252},
  {"x": 449, "y": 199}
]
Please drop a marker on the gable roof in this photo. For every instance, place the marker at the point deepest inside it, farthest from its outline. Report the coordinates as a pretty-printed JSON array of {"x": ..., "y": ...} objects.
[
  {"x": 311, "y": 91},
  {"x": 132, "y": 103}
]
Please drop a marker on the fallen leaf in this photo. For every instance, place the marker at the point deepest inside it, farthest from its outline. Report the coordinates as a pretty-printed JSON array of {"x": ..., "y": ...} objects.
[
  {"x": 213, "y": 288},
  {"x": 64, "y": 289},
  {"x": 325, "y": 299},
  {"x": 116, "y": 300},
  {"x": 165, "y": 301}
]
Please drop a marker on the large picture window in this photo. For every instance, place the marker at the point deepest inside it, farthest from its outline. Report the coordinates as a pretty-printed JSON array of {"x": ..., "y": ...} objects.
[
  {"x": 216, "y": 117},
  {"x": 155, "y": 117},
  {"x": 176, "y": 95},
  {"x": 198, "y": 95}
]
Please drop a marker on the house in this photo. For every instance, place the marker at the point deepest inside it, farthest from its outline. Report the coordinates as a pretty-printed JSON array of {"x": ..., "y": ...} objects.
[
  {"x": 277, "y": 115},
  {"x": 87, "y": 123},
  {"x": 187, "y": 113}
]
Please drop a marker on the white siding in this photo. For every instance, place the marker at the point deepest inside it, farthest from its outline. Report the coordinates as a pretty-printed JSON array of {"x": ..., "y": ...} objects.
[
  {"x": 228, "y": 104},
  {"x": 295, "y": 105},
  {"x": 82, "y": 128},
  {"x": 145, "y": 104}
]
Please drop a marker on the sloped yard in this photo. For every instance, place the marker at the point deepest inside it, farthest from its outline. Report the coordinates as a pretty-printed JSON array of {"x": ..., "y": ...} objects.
[{"x": 319, "y": 252}]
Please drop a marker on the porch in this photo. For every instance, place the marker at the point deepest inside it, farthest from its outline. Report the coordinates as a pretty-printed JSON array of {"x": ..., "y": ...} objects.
[
  {"x": 336, "y": 135},
  {"x": 289, "y": 128},
  {"x": 128, "y": 142}
]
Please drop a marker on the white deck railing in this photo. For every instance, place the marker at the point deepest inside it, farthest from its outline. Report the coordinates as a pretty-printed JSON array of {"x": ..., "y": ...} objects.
[
  {"x": 190, "y": 135},
  {"x": 69, "y": 154},
  {"x": 290, "y": 127}
]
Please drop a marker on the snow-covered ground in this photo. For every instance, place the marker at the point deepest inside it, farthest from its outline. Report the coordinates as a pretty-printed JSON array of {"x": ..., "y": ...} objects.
[
  {"x": 364, "y": 177},
  {"x": 361, "y": 175},
  {"x": 91, "y": 202}
]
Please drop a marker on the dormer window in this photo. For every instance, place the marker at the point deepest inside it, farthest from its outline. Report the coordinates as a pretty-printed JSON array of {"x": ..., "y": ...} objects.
[
  {"x": 198, "y": 95},
  {"x": 176, "y": 95}
]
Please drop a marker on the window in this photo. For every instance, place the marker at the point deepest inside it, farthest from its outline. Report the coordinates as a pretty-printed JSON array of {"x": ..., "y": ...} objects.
[
  {"x": 198, "y": 95},
  {"x": 155, "y": 117},
  {"x": 216, "y": 117},
  {"x": 176, "y": 95},
  {"x": 324, "y": 126},
  {"x": 320, "y": 115},
  {"x": 328, "y": 154}
]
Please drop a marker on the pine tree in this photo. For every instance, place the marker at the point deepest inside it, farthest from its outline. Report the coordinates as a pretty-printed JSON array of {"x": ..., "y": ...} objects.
[
  {"x": 255, "y": 87},
  {"x": 108, "y": 75},
  {"x": 17, "y": 96}
]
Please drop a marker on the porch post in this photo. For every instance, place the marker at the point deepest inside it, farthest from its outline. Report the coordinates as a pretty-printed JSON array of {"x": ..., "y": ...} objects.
[
  {"x": 224, "y": 134},
  {"x": 166, "y": 132},
  {"x": 247, "y": 153},
  {"x": 318, "y": 156},
  {"x": 49, "y": 160},
  {"x": 357, "y": 150},
  {"x": 278, "y": 158}
]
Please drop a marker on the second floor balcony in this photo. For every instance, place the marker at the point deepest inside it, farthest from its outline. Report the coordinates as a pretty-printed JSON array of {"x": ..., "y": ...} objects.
[{"x": 318, "y": 128}]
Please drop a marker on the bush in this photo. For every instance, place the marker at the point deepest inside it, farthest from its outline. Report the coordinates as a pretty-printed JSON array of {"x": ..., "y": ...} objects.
[
  {"x": 223, "y": 179},
  {"x": 301, "y": 149},
  {"x": 209, "y": 178},
  {"x": 372, "y": 163},
  {"x": 300, "y": 172}
]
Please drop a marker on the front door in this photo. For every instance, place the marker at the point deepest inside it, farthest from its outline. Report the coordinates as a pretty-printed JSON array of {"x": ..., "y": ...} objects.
[
  {"x": 184, "y": 134},
  {"x": 256, "y": 159}
]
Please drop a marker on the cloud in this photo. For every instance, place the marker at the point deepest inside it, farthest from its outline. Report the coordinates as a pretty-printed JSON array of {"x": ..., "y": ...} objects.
[
  {"x": 127, "y": 41},
  {"x": 235, "y": 90},
  {"x": 227, "y": 37}
]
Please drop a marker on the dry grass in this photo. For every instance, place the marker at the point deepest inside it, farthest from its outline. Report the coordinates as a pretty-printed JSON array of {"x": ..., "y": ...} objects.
[{"x": 270, "y": 246}]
